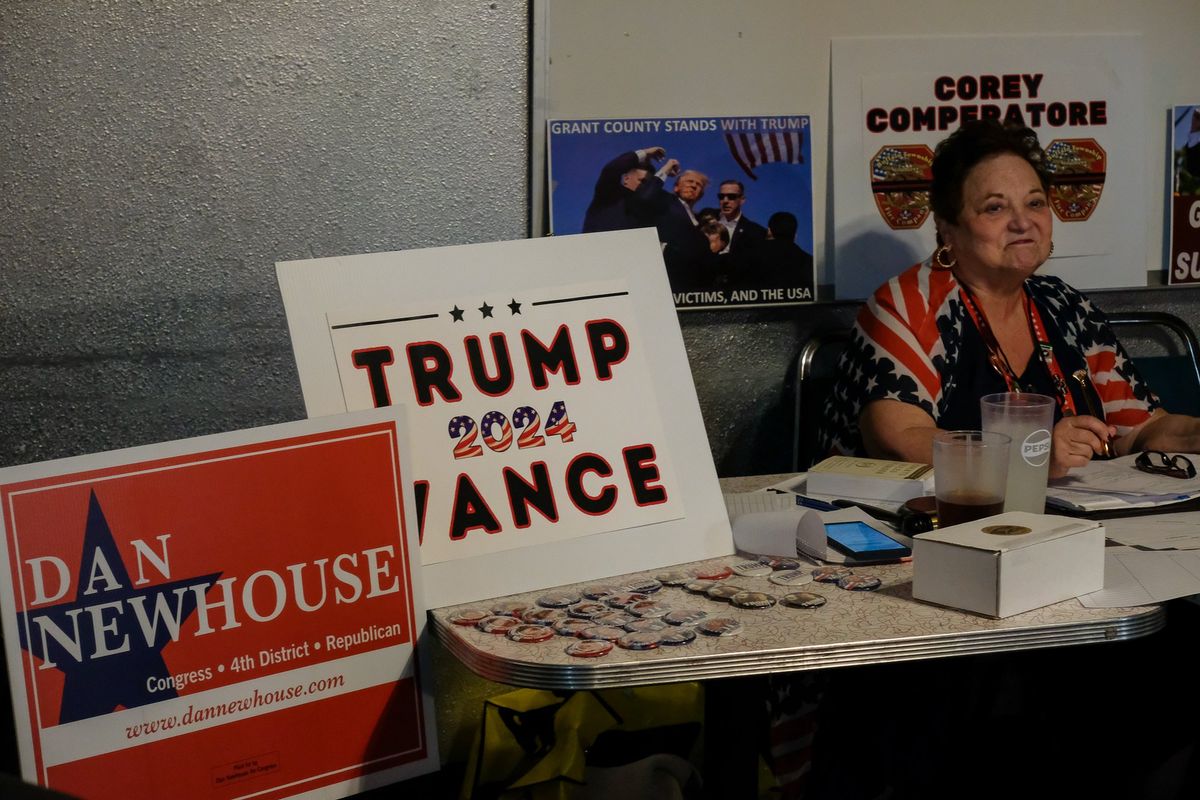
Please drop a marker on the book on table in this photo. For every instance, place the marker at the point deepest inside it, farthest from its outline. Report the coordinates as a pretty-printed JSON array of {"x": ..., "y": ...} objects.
[{"x": 869, "y": 479}]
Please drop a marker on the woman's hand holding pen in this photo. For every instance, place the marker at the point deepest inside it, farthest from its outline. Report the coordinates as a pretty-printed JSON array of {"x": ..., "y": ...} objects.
[{"x": 1075, "y": 441}]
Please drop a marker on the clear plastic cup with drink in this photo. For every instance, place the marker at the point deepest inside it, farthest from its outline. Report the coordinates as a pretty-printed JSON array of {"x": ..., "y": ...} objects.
[
  {"x": 970, "y": 475},
  {"x": 1028, "y": 419}
]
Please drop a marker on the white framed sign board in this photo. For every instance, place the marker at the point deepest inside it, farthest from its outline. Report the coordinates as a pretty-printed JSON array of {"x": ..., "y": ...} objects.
[{"x": 555, "y": 427}]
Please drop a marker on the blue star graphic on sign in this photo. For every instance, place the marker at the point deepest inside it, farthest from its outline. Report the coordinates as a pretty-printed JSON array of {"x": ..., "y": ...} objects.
[
  {"x": 514, "y": 307},
  {"x": 108, "y": 643},
  {"x": 485, "y": 309},
  {"x": 457, "y": 313}
]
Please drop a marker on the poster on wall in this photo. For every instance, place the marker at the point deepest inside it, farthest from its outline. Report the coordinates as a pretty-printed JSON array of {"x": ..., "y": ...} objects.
[
  {"x": 894, "y": 99},
  {"x": 729, "y": 197},
  {"x": 1184, "y": 203},
  {"x": 554, "y": 423},
  {"x": 230, "y": 616}
]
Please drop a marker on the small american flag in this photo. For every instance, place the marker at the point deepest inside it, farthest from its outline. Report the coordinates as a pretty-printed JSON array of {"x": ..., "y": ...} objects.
[{"x": 751, "y": 150}]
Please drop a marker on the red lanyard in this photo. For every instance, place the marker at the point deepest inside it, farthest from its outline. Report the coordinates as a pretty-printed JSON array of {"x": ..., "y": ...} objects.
[{"x": 1042, "y": 341}]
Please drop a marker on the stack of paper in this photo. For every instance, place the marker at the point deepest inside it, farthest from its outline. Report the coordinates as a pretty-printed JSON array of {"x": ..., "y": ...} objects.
[{"x": 1116, "y": 485}]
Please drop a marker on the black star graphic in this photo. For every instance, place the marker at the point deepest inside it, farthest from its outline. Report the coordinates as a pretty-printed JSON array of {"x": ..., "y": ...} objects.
[
  {"x": 485, "y": 309},
  {"x": 514, "y": 306},
  {"x": 457, "y": 313},
  {"x": 98, "y": 684}
]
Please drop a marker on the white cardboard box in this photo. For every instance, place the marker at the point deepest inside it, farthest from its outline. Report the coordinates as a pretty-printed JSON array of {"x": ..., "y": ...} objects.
[{"x": 982, "y": 567}]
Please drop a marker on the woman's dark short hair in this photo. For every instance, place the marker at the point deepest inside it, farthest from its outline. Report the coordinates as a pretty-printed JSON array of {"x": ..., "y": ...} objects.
[{"x": 977, "y": 141}]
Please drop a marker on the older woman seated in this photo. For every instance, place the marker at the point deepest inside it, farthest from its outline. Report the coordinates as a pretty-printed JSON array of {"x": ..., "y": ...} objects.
[{"x": 975, "y": 319}]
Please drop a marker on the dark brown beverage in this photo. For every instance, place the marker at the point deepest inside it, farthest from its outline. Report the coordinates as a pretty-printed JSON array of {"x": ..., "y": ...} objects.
[{"x": 966, "y": 506}]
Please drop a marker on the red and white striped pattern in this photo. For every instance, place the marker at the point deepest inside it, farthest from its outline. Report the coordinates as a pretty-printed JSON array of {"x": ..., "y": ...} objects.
[{"x": 751, "y": 149}]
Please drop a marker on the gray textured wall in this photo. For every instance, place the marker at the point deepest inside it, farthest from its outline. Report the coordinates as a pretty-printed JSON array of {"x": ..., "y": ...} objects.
[{"x": 158, "y": 159}]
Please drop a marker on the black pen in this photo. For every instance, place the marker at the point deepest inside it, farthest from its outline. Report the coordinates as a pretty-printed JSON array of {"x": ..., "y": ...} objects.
[{"x": 1090, "y": 398}]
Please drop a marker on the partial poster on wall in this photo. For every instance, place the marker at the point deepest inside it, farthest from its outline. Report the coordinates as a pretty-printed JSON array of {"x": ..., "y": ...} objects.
[
  {"x": 730, "y": 199},
  {"x": 232, "y": 616},
  {"x": 894, "y": 99},
  {"x": 1184, "y": 203}
]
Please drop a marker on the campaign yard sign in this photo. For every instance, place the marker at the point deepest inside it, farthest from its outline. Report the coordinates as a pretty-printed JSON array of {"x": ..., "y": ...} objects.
[
  {"x": 555, "y": 429},
  {"x": 231, "y": 616}
]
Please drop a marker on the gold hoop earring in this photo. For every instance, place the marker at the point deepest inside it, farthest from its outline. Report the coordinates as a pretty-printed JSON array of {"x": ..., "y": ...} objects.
[
  {"x": 1052, "y": 248},
  {"x": 939, "y": 257}
]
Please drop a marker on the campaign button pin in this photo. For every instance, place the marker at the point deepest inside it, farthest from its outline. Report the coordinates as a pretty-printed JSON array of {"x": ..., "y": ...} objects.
[
  {"x": 530, "y": 634},
  {"x": 645, "y": 625},
  {"x": 712, "y": 572},
  {"x": 624, "y": 599},
  {"x": 557, "y": 600},
  {"x": 543, "y": 616},
  {"x": 509, "y": 608},
  {"x": 648, "y": 608},
  {"x": 860, "y": 583},
  {"x": 469, "y": 616},
  {"x": 644, "y": 586},
  {"x": 587, "y": 610},
  {"x": 752, "y": 569},
  {"x": 699, "y": 587},
  {"x": 720, "y": 626},
  {"x": 606, "y": 633},
  {"x": 829, "y": 574},
  {"x": 685, "y": 616},
  {"x": 803, "y": 600},
  {"x": 723, "y": 591},
  {"x": 639, "y": 640},
  {"x": 613, "y": 619},
  {"x": 673, "y": 637},
  {"x": 792, "y": 577},
  {"x": 588, "y": 648},
  {"x": 673, "y": 578},
  {"x": 497, "y": 624},
  {"x": 778, "y": 563},
  {"x": 752, "y": 600},
  {"x": 572, "y": 627},
  {"x": 598, "y": 591}
]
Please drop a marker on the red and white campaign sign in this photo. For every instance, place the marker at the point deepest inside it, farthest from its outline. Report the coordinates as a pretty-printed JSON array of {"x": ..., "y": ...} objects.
[
  {"x": 224, "y": 617},
  {"x": 555, "y": 429}
]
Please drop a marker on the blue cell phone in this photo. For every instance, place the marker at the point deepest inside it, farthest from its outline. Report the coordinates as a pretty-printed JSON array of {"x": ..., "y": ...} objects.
[{"x": 860, "y": 541}]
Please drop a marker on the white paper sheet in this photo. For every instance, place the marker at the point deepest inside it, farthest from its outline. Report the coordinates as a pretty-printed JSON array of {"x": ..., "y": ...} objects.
[
  {"x": 1137, "y": 578},
  {"x": 770, "y": 524}
]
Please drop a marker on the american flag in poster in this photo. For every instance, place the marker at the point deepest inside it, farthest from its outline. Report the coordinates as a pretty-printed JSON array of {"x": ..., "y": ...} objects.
[{"x": 752, "y": 149}]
